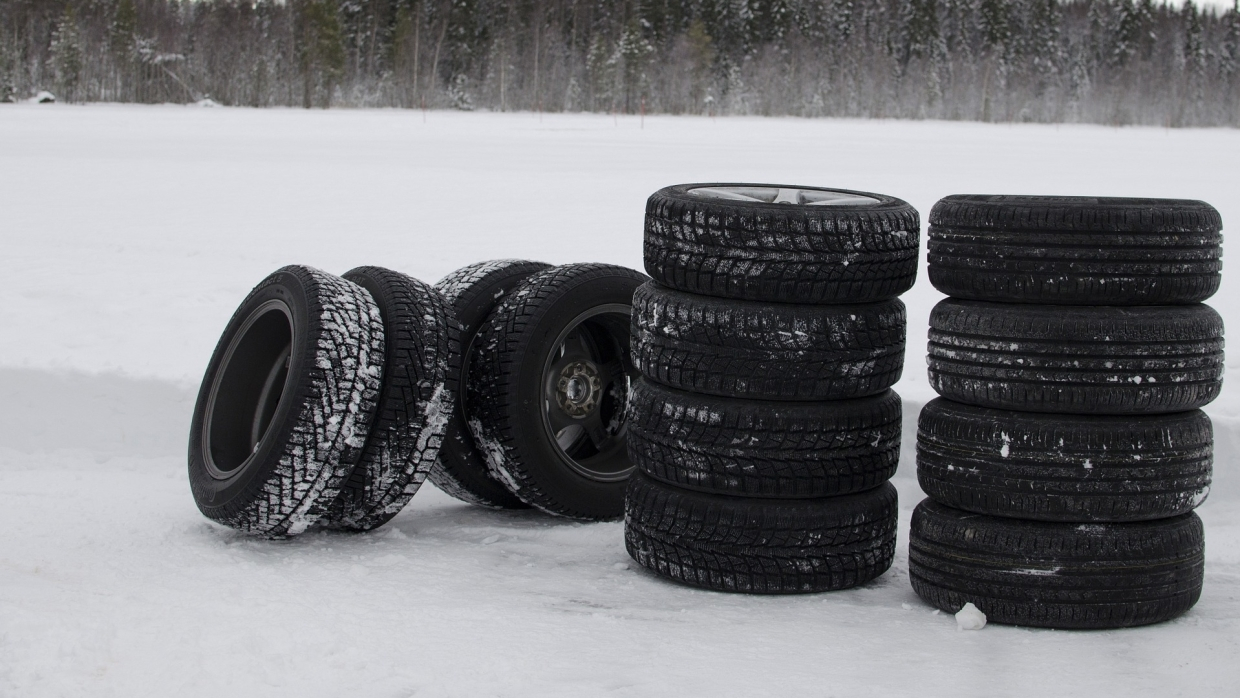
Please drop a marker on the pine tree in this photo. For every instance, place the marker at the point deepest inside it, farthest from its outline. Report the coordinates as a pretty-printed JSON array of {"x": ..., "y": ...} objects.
[{"x": 66, "y": 53}]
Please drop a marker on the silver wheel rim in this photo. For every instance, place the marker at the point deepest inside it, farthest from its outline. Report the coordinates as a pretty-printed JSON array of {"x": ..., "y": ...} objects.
[
  {"x": 793, "y": 196},
  {"x": 585, "y": 384}
]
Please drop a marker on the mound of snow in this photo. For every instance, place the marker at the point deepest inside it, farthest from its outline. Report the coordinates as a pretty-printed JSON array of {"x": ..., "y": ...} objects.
[{"x": 970, "y": 618}]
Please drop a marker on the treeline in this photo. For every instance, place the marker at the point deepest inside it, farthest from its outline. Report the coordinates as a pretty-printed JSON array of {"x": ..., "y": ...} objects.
[{"x": 1100, "y": 61}]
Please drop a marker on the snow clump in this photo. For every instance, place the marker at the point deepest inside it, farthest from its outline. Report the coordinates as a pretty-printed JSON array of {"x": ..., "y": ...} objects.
[{"x": 970, "y": 618}]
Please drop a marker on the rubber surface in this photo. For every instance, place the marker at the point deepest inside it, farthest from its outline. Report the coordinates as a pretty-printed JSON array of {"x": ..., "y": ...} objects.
[
  {"x": 1075, "y": 250},
  {"x": 473, "y": 292},
  {"x": 760, "y": 546},
  {"x": 764, "y": 449},
  {"x": 745, "y": 349},
  {"x": 316, "y": 434},
  {"x": 781, "y": 252},
  {"x": 1056, "y": 575},
  {"x": 1058, "y": 468},
  {"x": 506, "y": 388},
  {"x": 419, "y": 394},
  {"x": 1088, "y": 360}
]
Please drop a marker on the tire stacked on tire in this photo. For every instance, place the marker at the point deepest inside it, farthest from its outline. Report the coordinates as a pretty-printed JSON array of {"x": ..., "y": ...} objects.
[
  {"x": 1067, "y": 452},
  {"x": 763, "y": 429}
]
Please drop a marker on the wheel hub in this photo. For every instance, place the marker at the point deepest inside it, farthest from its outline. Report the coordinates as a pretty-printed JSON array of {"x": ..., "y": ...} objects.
[{"x": 578, "y": 389}]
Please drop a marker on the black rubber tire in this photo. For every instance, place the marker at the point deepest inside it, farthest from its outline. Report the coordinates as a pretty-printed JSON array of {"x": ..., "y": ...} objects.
[
  {"x": 294, "y": 397},
  {"x": 745, "y": 349},
  {"x": 419, "y": 393},
  {"x": 782, "y": 253},
  {"x": 759, "y": 448},
  {"x": 1057, "y": 468},
  {"x": 1075, "y": 250},
  {"x": 473, "y": 292},
  {"x": 1089, "y": 360},
  {"x": 760, "y": 546},
  {"x": 506, "y": 392},
  {"x": 1056, "y": 575}
]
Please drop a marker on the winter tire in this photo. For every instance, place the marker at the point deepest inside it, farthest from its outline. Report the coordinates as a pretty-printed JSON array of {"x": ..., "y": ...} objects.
[
  {"x": 1056, "y": 468},
  {"x": 286, "y": 402},
  {"x": 744, "y": 349},
  {"x": 419, "y": 391},
  {"x": 760, "y": 546},
  {"x": 759, "y": 448},
  {"x": 1092, "y": 360},
  {"x": 785, "y": 244},
  {"x": 548, "y": 388},
  {"x": 1075, "y": 250},
  {"x": 473, "y": 292},
  {"x": 1056, "y": 575}
]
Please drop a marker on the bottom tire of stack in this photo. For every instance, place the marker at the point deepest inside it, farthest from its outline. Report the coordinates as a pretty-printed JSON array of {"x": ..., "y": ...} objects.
[
  {"x": 760, "y": 545},
  {"x": 1056, "y": 575}
]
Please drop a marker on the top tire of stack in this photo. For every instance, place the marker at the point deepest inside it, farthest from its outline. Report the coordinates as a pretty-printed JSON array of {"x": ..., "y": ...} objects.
[
  {"x": 839, "y": 247},
  {"x": 1075, "y": 250}
]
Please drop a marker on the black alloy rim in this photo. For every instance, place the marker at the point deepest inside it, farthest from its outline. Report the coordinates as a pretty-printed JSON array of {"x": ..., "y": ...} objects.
[{"x": 585, "y": 380}]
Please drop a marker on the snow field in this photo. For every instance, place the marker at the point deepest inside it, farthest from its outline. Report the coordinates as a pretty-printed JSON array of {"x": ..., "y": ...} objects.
[{"x": 131, "y": 234}]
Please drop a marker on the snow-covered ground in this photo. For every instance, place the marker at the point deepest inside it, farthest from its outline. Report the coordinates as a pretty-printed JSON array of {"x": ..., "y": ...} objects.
[{"x": 131, "y": 233}]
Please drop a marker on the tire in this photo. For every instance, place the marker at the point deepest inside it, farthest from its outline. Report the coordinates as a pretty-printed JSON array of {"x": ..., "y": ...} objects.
[
  {"x": 760, "y": 546},
  {"x": 562, "y": 331},
  {"x": 781, "y": 252},
  {"x": 473, "y": 292},
  {"x": 1074, "y": 250},
  {"x": 286, "y": 403},
  {"x": 764, "y": 449},
  {"x": 1056, "y": 575},
  {"x": 422, "y": 360},
  {"x": 744, "y": 349},
  {"x": 1091, "y": 360},
  {"x": 1056, "y": 468}
]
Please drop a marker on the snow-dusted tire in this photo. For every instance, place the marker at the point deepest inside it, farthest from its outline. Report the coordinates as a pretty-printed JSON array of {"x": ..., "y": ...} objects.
[
  {"x": 767, "y": 351},
  {"x": 422, "y": 362},
  {"x": 759, "y": 448},
  {"x": 1075, "y": 250},
  {"x": 286, "y": 402},
  {"x": 760, "y": 546},
  {"x": 860, "y": 248},
  {"x": 1088, "y": 360},
  {"x": 473, "y": 292},
  {"x": 1057, "y": 468},
  {"x": 1056, "y": 575},
  {"x": 548, "y": 386}
]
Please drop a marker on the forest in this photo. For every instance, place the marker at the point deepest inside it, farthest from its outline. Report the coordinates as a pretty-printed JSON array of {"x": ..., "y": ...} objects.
[{"x": 1094, "y": 61}]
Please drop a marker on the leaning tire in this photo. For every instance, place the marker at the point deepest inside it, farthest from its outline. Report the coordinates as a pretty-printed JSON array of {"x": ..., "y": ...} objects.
[
  {"x": 733, "y": 241},
  {"x": 761, "y": 448},
  {"x": 760, "y": 546},
  {"x": 417, "y": 399},
  {"x": 1093, "y": 360},
  {"x": 1056, "y": 575},
  {"x": 743, "y": 349},
  {"x": 1075, "y": 251},
  {"x": 1055, "y": 468},
  {"x": 473, "y": 292},
  {"x": 286, "y": 402},
  {"x": 548, "y": 386}
]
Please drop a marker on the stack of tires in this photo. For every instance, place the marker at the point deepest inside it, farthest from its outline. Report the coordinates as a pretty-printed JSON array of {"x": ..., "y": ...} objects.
[
  {"x": 763, "y": 428},
  {"x": 1067, "y": 452}
]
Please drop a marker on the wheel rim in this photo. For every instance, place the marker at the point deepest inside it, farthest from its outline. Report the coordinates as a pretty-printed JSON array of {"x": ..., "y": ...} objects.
[
  {"x": 795, "y": 196},
  {"x": 585, "y": 380},
  {"x": 247, "y": 390}
]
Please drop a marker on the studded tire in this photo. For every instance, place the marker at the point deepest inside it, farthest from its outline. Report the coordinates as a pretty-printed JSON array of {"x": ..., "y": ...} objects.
[{"x": 286, "y": 403}]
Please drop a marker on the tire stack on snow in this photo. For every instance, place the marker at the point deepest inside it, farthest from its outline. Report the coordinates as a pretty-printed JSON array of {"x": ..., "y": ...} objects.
[
  {"x": 763, "y": 429},
  {"x": 1065, "y": 462}
]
